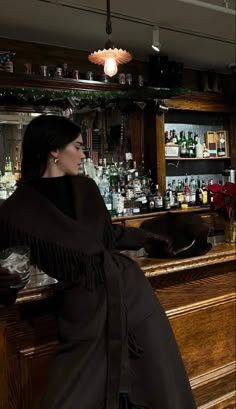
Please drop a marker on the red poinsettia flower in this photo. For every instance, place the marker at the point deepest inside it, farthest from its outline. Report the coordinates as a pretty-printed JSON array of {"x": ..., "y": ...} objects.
[{"x": 224, "y": 199}]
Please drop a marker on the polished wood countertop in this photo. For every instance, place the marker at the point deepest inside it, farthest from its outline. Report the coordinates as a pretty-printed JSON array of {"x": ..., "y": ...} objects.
[
  {"x": 42, "y": 286},
  {"x": 220, "y": 253}
]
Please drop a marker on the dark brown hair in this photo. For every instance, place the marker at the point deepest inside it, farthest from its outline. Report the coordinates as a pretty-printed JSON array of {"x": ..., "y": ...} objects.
[{"x": 43, "y": 135}]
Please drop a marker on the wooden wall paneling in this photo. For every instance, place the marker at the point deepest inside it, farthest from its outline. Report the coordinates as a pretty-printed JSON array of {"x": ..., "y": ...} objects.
[
  {"x": 3, "y": 366},
  {"x": 33, "y": 369},
  {"x": 222, "y": 380},
  {"x": 160, "y": 153},
  {"x": 204, "y": 344},
  {"x": 197, "y": 101},
  {"x": 51, "y": 55},
  {"x": 201, "y": 308},
  {"x": 29, "y": 326}
]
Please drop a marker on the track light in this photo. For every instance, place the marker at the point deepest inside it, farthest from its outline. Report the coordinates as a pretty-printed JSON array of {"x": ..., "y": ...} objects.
[
  {"x": 161, "y": 106},
  {"x": 155, "y": 39}
]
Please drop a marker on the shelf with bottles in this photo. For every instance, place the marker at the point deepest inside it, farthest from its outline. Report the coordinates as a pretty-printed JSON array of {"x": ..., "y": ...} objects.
[
  {"x": 18, "y": 80},
  {"x": 209, "y": 158},
  {"x": 195, "y": 136}
]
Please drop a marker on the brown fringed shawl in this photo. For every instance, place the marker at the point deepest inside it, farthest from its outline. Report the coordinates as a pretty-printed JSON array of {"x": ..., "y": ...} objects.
[
  {"x": 70, "y": 250},
  {"x": 73, "y": 251}
]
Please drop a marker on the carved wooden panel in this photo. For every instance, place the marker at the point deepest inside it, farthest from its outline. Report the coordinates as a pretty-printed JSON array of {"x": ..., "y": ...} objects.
[
  {"x": 3, "y": 366},
  {"x": 201, "y": 308},
  {"x": 33, "y": 369}
]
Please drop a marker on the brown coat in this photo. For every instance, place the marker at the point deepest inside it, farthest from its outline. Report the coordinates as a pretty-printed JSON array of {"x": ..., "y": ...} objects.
[{"x": 116, "y": 349}]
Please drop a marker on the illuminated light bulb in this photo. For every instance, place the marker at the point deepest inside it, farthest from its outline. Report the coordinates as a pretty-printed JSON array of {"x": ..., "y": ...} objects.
[
  {"x": 156, "y": 48},
  {"x": 110, "y": 67}
]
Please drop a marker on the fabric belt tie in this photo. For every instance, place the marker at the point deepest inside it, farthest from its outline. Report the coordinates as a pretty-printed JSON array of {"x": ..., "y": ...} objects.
[{"x": 118, "y": 367}]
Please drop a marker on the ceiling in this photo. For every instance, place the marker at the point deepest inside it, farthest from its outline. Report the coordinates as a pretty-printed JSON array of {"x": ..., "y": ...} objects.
[{"x": 199, "y": 33}]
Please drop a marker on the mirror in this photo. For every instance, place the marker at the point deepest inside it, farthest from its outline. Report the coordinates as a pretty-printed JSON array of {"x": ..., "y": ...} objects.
[
  {"x": 12, "y": 127},
  {"x": 106, "y": 133}
]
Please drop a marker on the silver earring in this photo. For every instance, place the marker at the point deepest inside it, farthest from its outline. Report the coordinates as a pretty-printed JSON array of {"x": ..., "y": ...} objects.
[{"x": 55, "y": 160}]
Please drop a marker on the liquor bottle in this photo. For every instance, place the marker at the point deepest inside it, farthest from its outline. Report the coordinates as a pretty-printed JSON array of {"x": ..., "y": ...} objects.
[
  {"x": 204, "y": 194},
  {"x": 158, "y": 199},
  {"x": 210, "y": 196},
  {"x": 186, "y": 191},
  {"x": 150, "y": 203},
  {"x": 206, "y": 153},
  {"x": 166, "y": 201},
  {"x": 179, "y": 193},
  {"x": 141, "y": 169},
  {"x": 193, "y": 188},
  {"x": 119, "y": 203},
  {"x": 8, "y": 166},
  {"x": 108, "y": 202},
  {"x": 17, "y": 170},
  {"x": 166, "y": 137},
  {"x": 198, "y": 194},
  {"x": 121, "y": 176},
  {"x": 183, "y": 145},
  {"x": 129, "y": 189},
  {"x": 137, "y": 184},
  {"x": 191, "y": 152},
  {"x": 198, "y": 148},
  {"x": 114, "y": 177},
  {"x": 174, "y": 137},
  {"x": 181, "y": 137},
  {"x": 171, "y": 195},
  {"x": 221, "y": 145},
  {"x": 104, "y": 185},
  {"x": 114, "y": 202},
  {"x": 17, "y": 166},
  {"x": 174, "y": 194},
  {"x": 65, "y": 72}
]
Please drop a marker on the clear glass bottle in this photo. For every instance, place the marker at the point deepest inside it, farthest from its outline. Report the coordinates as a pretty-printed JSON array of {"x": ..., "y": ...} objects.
[
  {"x": 221, "y": 145},
  {"x": 108, "y": 202},
  {"x": 158, "y": 199}
]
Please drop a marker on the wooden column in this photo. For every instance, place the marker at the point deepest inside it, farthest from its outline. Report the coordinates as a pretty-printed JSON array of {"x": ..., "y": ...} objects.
[
  {"x": 233, "y": 139},
  {"x": 160, "y": 152},
  {"x": 150, "y": 151},
  {"x": 3, "y": 366},
  {"x": 136, "y": 136}
]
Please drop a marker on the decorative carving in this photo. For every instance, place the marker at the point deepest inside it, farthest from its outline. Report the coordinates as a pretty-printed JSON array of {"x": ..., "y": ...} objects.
[{"x": 33, "y": 367}]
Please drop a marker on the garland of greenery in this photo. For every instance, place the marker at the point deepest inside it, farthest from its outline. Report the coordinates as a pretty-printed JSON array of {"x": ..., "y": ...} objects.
[{"x": 81, "y": 98}]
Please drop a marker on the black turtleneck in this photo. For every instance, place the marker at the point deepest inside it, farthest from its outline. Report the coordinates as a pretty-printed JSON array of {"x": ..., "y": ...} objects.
[{"x": 59, "y": 191}]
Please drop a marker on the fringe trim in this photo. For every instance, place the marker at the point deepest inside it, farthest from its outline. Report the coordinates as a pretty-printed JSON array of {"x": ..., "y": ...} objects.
[
  {"x": 125, "y": 403},
  {"x": 135, "y": 350},
  {"x": 108, "y": 236},
  {"x": 64, "y": 264}
]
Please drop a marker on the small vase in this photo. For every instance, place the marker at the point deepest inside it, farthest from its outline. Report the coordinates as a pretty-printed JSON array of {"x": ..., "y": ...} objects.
[{"x": 230, "y": 231}]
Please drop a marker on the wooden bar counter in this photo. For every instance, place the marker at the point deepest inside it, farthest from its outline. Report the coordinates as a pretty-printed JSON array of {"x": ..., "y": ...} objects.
[{"x": 198, "y": 295}]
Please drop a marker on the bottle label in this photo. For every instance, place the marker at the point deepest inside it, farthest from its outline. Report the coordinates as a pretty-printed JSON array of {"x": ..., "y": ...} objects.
[
  {"x": 204, "y": 197},
  {"x": 108, "y": 206}
]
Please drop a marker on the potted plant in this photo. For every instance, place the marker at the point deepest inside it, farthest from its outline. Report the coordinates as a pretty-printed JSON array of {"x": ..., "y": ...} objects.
[{"x": 224, "y": 203}]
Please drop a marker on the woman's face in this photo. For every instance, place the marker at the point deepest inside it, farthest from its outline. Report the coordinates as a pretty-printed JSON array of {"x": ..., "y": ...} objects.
[{"x": 69, "y": 157}]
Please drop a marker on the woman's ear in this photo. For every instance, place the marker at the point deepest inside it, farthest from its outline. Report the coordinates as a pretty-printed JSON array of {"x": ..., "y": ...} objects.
[{"x": 54, "y": 154}]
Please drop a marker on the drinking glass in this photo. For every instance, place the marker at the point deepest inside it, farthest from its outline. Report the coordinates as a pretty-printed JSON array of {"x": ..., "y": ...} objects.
[{"x": 17, "y": 259}]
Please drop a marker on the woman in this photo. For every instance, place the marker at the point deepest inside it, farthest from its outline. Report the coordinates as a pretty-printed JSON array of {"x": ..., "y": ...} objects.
[{"x": 116, "y": 347}]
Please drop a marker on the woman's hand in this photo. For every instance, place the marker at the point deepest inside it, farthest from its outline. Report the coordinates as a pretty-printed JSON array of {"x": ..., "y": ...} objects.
[
  {"x": 8, "y": 280},
  {"x": 161, "y": 245},
  {"x": 10, "y": 283}
]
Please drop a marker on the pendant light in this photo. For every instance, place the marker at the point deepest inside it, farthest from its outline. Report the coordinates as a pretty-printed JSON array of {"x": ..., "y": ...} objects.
[{"x": 110, "y": 56}]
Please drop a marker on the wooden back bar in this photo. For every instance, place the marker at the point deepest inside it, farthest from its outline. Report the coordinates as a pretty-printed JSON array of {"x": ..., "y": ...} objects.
[{"x": 198, "y": 295}]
